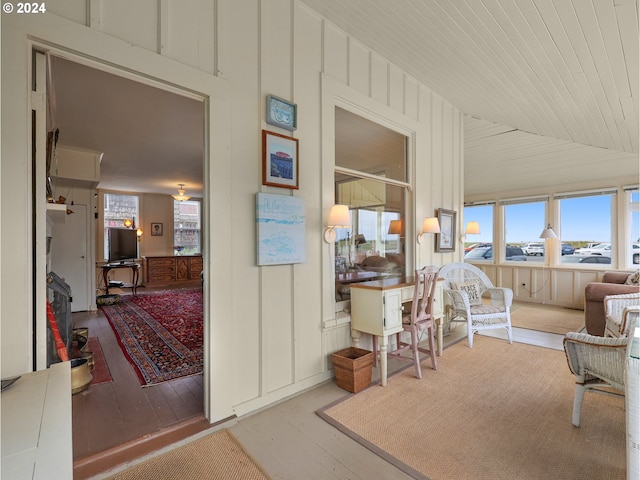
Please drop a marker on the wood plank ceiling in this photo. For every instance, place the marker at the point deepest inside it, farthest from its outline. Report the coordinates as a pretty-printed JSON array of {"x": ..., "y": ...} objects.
[{"x": 547, "y": 86}]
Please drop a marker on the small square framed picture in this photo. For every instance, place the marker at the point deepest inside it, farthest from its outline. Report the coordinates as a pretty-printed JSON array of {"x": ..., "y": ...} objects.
[
  {"x": 156, "y": 229},
  {"x": 279, "y": 160},
  {"x": 281, "y": 113}
]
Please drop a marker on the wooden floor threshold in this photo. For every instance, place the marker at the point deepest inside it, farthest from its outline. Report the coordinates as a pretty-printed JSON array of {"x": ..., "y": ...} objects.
[{"x": 101, "y": 462}]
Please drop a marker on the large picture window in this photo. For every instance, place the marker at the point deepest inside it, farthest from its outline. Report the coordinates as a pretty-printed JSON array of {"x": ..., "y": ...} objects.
[
  {"x": 585, "y": 228},
  {"x": 523, "y": 222}
]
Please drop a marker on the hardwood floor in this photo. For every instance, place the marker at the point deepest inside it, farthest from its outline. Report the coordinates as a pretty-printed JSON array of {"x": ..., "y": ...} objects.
[
  {"x": 121, "y": 415},
  {"x": 291, "y": 442}
]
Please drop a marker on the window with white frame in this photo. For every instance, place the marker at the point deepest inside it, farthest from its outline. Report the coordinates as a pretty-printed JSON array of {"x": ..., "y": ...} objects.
[
  {"x": 186, "y": 227},
  {"x": 586, "y": 226},
  {"x": 118, "y": 208},
  {"x": 483, "y": 215},
  {"x": 524, "y": 220},
  {"x": 633, "y": 222},
  {"x": 376, "y": 193}
]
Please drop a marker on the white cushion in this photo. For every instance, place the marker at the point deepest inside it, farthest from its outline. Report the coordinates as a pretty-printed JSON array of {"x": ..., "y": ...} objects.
[
  {"x": 633, "y": 279},
  {"x": 472, "y": 288}
]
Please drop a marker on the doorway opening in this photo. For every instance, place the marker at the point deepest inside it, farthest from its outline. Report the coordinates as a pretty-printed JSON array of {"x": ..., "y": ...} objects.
[{"x": 148, "y": 139}]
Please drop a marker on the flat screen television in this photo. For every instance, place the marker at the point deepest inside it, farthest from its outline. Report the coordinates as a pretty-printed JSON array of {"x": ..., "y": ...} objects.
[{"x": 123, "y": 245}]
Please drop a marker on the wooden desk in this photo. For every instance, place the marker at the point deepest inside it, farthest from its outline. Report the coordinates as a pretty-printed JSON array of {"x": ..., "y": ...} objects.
[
  {"x": 376, "y": 309},
  {"x": 134, "y": 276},
  {"x": 345, "y": 280}
]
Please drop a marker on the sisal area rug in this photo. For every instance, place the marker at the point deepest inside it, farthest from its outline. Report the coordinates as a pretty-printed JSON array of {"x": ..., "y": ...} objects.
[
  {"x": 218, "y": 456},
  {"x": 160, "y": 333},
  {"x": 494, "y": 411},
  {"x": 545, "y": 319}
]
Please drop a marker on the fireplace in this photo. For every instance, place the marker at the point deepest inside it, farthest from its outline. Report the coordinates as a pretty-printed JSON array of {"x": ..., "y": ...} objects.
[{"x": 59, "y": 295}]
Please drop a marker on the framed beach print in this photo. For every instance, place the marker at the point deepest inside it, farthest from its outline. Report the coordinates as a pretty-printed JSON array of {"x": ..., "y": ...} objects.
[
  {"x": 281, "y": 113},
  {"x": 279, "y": 160},
  {"x": 280, "y": 228},
  {"x": 446, "y": 239}
]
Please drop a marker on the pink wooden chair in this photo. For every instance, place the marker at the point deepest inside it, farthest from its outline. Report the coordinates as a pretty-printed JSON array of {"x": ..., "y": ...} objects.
[{"x": 419, "y": 320}]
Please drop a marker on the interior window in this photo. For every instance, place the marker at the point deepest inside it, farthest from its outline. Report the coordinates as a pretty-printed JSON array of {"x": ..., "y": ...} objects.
[
  {"x": 186, "y": 227},
  {"x": 370, "y": 177}
]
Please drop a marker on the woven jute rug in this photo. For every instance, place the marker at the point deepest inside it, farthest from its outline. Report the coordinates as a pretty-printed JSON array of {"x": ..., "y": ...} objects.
[
  {"x": 494, "y": 411},
  {"x": 218, "y": 456},
  {"x": 553, "y": 320}
]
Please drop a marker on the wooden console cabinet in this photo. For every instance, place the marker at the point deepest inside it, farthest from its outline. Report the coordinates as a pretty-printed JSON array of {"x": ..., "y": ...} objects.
[{"x": 172, "y": 269}]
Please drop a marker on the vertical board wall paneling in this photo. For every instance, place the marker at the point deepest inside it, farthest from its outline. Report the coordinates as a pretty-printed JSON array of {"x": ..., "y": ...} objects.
[
  {"x": 359, "y": 67},
  {"x": 379, "y": 79},
  {"x": 276, "y": 24},
  {"x": 237, "y": 24},
  {"x": 335, "y": 53},
  {"x": 411, "y": 97},
  {"x": 187, "y": 33},
  {"x": 396, "y": 88},
  {"x": 138, "y": 26},
  {"x": 307, "y": 63}
]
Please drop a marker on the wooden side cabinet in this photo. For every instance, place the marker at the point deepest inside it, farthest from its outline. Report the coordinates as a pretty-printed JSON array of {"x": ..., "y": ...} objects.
[{"x": 170, "y": 269}]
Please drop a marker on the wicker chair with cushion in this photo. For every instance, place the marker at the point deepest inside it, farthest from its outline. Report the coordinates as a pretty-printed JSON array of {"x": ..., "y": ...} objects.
[
  {"x": 598, "y": 364},
  {"x": 466, "y": 286},
  {"x": 618, "y": 311}
]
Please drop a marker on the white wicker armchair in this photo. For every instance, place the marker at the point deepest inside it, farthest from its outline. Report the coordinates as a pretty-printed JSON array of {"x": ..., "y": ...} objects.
[
  {"x": 598, "y": 364},
  {"x": 481, "y": 315},
  {"x": 619, "y": 311}
]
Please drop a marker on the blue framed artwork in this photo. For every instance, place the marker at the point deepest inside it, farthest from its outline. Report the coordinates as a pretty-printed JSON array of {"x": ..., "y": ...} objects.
[
  {"x": 280, "y": 228},
  {"x": 281, "y": 113}
]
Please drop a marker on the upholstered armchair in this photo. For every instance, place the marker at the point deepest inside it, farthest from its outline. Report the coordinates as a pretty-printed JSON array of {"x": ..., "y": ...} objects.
[
  {"x": 613, "y": 283},
  {"x": 467, "y": 285}
]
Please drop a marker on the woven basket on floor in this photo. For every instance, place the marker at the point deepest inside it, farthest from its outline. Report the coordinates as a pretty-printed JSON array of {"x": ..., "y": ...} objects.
[{"x": 353, "y": 367}]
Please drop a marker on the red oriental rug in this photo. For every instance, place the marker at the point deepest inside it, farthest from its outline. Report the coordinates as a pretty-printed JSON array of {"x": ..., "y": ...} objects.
[{"x": 160, "y": 333}]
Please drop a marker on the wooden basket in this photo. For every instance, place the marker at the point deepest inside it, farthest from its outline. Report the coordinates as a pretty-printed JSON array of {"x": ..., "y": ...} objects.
[{"x": 353, "y": 367}]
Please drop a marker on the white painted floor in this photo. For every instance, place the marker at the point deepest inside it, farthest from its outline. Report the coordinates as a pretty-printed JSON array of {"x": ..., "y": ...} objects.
[{"x": 291, "y": 442}]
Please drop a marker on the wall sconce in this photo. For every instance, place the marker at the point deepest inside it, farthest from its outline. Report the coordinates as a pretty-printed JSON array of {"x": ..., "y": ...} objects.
[
  {"x": 396, "y": 227},
  {"x": 548, "y": 232},
  {"x": 129, "y": 223},
  {"x": 139, "y": 233},
  {"x": 430, "y": 225},
  {"x": 473, "y": 228},
  {"x": 338, "y": 218}
]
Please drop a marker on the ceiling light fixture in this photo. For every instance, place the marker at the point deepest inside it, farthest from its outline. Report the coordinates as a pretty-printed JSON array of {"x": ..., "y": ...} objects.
[{"x": 180, "y": 196}]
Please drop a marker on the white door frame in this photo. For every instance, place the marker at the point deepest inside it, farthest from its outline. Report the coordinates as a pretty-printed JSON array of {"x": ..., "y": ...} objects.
[{"x": 20, "y": 38}]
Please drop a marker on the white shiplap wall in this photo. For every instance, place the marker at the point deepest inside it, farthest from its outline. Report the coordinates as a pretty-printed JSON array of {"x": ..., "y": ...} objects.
[{"x": 266, "y": 323}]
